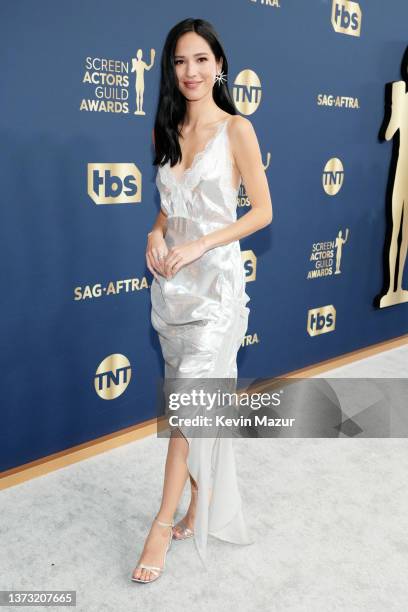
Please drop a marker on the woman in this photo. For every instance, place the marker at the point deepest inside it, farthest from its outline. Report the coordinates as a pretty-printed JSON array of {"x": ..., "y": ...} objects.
[{"x": 204, "y": 150}]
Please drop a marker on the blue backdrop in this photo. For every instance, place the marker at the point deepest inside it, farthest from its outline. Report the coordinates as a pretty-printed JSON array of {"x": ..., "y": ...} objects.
[{"x": 74, "y": 278}]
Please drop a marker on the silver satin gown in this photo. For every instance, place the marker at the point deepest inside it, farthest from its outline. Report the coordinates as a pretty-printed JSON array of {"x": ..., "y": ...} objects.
[{"x": 201, "y": 317}]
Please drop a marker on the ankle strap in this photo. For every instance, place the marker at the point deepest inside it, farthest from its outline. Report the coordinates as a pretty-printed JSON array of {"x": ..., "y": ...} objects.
[{"x": 164, "y": 524}]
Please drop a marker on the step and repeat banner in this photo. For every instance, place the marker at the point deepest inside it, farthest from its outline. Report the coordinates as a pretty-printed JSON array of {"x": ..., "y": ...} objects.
[{"x": 323, "y": 83}]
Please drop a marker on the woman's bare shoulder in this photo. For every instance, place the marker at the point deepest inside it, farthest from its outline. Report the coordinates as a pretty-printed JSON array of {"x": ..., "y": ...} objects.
[
  {"x": 240, "y": 125},
  {"x": 244, "y": 144},
  {"x": 241, "y": 133}
]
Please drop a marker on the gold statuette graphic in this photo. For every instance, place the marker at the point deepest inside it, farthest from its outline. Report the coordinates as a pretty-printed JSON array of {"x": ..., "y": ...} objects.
[
  {"x": 138, "y": 67},
  {"x": 397, "y": 122},
  {"x": 339, "y": 248}
]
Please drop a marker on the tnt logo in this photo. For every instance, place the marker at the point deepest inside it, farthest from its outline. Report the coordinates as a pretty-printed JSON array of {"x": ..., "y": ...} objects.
[
  {"x": 247, "y": 91},
  {"x": 321, "y": 320},
  {"x": 249, "y": 261},
  {"x": 112, "y": 376},
  {"x": 346, "y": 17},
  {"x": 333, "y": 176},
  {"x": 114, "y": 183}
]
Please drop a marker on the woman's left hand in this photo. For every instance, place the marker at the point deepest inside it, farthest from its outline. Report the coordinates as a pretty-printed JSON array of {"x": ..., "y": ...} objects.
[{"x": 181, "y": 255}]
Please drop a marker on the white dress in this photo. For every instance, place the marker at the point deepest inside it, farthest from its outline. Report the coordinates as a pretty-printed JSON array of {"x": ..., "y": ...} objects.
[{"x": 201, "y": 317}]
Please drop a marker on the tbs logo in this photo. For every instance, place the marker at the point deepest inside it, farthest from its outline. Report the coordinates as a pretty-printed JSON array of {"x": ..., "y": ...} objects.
[
  {"x": 114, "y": 183},
  {"x": 249, "y": 261},
  {"x": 346, "y": 17},
  {"x": 321, "y": 320}
]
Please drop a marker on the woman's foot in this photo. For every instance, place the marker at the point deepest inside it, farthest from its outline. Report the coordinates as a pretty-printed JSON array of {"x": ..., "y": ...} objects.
[
  {"x": 154, "y": 551},
  {"x": 185, "y": 528}
]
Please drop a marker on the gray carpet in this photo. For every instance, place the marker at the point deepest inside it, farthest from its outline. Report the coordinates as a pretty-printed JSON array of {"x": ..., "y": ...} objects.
[{"x": 329, "y": 517}]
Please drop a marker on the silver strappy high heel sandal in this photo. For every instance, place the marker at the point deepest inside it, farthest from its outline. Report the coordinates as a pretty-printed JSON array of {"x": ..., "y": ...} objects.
[
  {"x": 182, "y": 532},
  {"x": 157, "y": 571}
]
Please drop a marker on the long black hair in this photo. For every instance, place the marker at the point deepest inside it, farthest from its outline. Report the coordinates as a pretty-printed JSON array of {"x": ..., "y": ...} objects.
[{"x": 172, "y": 104}]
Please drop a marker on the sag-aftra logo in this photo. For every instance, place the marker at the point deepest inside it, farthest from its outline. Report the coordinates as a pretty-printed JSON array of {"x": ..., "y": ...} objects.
[{"x": 346, "y": 17}]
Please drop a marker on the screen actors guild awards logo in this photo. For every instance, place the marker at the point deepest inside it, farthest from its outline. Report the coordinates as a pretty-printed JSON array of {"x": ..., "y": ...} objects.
[
  {"x": 107, "y": 81},
  {"x": 322, "y": 256}
]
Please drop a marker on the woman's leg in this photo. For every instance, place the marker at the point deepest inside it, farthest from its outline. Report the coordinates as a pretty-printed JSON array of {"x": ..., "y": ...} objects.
[
  {"x": 175, "y": 476},
  {"x": 188, "y": 520}
]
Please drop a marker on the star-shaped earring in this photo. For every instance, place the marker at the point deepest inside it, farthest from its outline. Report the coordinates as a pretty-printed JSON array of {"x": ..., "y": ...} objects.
[{"x": 220, "y": 77}]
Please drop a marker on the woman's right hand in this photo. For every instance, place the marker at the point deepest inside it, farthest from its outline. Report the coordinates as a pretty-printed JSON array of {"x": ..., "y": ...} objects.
[{"x": 156, "y": 252}]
